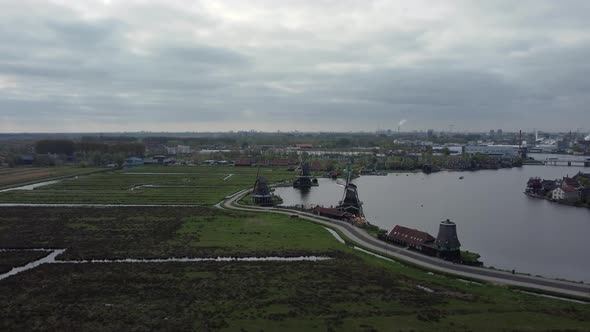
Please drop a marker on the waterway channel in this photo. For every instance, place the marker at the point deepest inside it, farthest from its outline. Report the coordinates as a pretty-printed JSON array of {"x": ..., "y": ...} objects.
[{"x": 493, "y": 216}]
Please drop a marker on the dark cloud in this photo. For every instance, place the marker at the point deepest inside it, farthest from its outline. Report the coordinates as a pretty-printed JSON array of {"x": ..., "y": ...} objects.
[{"x": 180, "y": 65}]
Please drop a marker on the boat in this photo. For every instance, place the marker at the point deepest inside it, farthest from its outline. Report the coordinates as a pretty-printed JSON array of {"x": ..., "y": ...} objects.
[{"x": 461, "y": 178}]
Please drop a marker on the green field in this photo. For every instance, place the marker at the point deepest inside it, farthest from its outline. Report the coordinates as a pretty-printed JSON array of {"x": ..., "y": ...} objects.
[
  {"x": 352, "y": 291},
  {"x": 12, "y": 177},
  {"x": 198, "y": 185}
]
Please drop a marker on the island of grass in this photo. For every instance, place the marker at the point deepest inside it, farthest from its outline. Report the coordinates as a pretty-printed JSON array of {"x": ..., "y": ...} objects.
[
  {"x": 20, "y": 176},
  {"x": 351, "y": 291},
  {"x": 174, "y": 185}
]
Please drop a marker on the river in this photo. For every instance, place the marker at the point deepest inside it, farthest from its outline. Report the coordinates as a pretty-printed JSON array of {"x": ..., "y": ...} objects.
[{"x": 494, "y": 218}]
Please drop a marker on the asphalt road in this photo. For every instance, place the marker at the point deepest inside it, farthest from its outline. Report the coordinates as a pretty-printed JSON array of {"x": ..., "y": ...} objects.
[{"x": 360, "y": 237}]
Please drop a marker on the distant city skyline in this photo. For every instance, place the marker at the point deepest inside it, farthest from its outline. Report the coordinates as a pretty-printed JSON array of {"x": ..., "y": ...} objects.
[{"x": 176, "y": 66}]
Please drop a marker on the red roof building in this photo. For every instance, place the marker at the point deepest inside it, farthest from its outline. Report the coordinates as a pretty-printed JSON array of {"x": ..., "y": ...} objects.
[
  {"x": 410, "y": 237},
  {"x": 567, "y": 181},
  {"x": 280, "y": 162},
  {"x": 243, "y": 162},
  {"x": 316, "y": 166},
  {"x": 332, "y": 213}
]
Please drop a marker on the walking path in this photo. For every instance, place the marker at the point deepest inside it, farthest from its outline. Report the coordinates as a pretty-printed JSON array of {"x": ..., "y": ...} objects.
[{"x": 360, "y": 237}]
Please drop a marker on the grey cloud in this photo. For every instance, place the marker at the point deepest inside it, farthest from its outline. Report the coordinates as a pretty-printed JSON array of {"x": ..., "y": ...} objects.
[{"x": 278, "y": 65}]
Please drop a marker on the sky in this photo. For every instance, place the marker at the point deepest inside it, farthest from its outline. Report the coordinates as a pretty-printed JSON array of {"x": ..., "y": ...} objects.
[{"x": 318, "y": 65}]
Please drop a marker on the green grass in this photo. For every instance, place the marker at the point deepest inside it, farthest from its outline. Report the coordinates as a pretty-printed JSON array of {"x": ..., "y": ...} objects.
[
  {"x": 353, "y": 291},
  {"x": 20, "y": 176},
  {"x": 94, "y": 233},
  {"x": 10, "y": 259},
  {"x": 191, "y": 185}
]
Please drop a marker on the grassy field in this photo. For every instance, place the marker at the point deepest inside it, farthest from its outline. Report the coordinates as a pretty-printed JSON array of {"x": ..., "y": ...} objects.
[
  {"x": 11, "y": 177},
  {"x": 10, "y": 259},
  {"x": 352, "y": 291},
  {"x": 200, "y": 185}
]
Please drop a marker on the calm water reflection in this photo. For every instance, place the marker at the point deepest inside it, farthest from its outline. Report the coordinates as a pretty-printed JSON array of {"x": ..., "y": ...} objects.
[{"x": 494, "y": 218}]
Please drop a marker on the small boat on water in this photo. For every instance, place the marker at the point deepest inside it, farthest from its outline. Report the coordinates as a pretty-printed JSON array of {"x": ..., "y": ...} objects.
[{"x": 461, "y": 178}]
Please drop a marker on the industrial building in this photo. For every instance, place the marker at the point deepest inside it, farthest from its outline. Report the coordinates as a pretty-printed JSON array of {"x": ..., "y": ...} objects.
[{"x": 501, "y": 151}]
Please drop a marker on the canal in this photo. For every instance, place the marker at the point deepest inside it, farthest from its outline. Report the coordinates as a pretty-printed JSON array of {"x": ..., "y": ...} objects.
[{"x": 493, "y": 216}]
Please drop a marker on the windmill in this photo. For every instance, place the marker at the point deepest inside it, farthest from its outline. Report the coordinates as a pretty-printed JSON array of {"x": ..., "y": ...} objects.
[
  {"x": 305, "y": 179},
  {"x": 350, "y": 200},
  {"x": 261, "y": 193}
]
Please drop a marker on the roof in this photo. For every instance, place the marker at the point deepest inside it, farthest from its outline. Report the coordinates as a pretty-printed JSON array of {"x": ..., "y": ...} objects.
[
  {"x": 569, "y": 189},
  {"x": 331, "y": 211},
  {"x": 244, "y": 161},
  {"x": 316, "y": 165},
  {"x": 570, "y": 182},
  {"x": 280, "y": 162},
  {"x": 410, "y": 235}
]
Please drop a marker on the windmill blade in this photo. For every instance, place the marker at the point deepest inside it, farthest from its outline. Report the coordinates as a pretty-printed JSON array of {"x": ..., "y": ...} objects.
[
  {"x": 341, "y": 182},
  {"x": 256, "y": 181}
]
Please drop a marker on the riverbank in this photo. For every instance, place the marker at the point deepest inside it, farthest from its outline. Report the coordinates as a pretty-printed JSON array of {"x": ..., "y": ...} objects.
[
  {"x": 364, "y": 240},
  {"x": 154, "y": 291},
  {"x": 560, "y": 202}
]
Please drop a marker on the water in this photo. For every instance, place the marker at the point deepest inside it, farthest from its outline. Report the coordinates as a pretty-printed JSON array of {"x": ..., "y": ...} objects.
[
  {"x": 32, "y": 186},
  {"x": 494, "y": 218},
  {"x": 50, "y": 258},
  {"x": 53, "y": 253}
]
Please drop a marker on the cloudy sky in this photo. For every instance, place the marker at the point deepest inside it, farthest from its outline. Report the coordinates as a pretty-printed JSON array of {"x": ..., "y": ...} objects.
[{"x": 130, "y": 65}]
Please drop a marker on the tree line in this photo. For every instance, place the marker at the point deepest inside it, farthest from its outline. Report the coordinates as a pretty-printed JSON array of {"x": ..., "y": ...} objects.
[{"x": 69, "y": 147}]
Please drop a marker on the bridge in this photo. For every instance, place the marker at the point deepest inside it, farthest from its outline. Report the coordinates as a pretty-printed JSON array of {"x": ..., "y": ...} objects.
[{"x": 566, "y": 162}]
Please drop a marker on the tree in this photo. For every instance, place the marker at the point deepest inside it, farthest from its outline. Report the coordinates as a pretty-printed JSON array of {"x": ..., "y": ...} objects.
[{"x": 56, "y": 146}]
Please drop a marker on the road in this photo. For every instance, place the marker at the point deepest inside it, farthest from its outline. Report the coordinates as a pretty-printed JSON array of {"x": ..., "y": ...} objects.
[{"x": 360, "y": 237}]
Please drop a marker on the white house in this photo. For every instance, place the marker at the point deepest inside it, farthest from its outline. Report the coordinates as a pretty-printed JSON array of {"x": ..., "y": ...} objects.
[{"x": 565, "y": 193}]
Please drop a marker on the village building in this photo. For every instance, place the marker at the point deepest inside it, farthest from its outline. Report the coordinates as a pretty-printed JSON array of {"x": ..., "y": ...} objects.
[
  {"x": 183, "y": 149},
  {"x": 566, "y": 192},
  {"x": 332, "y": 213},
  {"x": 133, "y": 162},
  {"x": 280, "y": 162},
  {"x": 411, "y": 238},
  {"x": 567, "y": 181},
  {"x": 549, "y": 185},
  {"x": 316, "y": 166},
  {"x": 244, "y": 162},
  {"x": 446, "y": 245}
]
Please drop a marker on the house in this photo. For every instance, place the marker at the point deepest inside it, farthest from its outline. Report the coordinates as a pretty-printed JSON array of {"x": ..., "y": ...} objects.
[
  {"x": 409, "y": 237},
  {"x": 27, "y": 159},
  {"x": 548, "y": 185},
  {"x": 565, "y": 192},
  {"x": 316, "y": 166},
  {"x": 304, "y": 146},
  {"x": 133, "y": 162},
  {"x": 183, "y": 149},
  {"x": 279, "y": 162},
  {"x": 567, "y": 181},
  {"x": 244, "y": 162},
  {"x": 170, "y": 150},
  {"x": 332, "y": 213}
]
